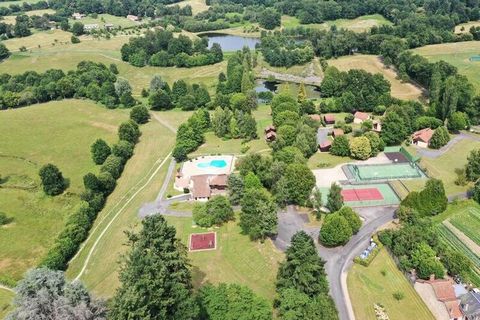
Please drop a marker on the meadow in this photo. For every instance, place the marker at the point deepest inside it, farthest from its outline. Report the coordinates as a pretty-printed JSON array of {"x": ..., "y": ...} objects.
[
  {"x": 376, "y": 284},
  {"x": 373, "y": 64},
  {"x": 61, "y": 133},
  {"x": 468, "y": 222},
  {"x": 360, "y": 24},
  {"x": 11, "y": 19},
  {"x": 197, "y": 5},
  {"x": 64, "y": 55},
  {"x": 458, "y": 54},
  {"x": 7, "y": 3}
]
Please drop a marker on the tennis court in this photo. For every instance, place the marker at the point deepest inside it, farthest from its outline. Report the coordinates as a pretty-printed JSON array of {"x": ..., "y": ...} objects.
[
  {"x": 366, "y": 195},
  {"x": 392, "y": 171}
]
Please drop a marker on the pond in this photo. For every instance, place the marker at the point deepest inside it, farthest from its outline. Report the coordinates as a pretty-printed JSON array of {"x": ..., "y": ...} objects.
[
  {"x": 229, "y": 42},
  {"x": 313, "y": 92}
]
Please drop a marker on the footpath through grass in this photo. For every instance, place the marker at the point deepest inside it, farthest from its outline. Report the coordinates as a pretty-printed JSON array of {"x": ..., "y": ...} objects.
[
  {"x": 367, "y": 286},
  {"x": 122, "y": 207},
  {"x": 58, "y": 132}
]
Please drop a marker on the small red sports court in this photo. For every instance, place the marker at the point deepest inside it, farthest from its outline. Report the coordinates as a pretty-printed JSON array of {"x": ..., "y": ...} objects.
[
  {"x": 361, "y": 194},
  {"x": 203, "y": 241}
]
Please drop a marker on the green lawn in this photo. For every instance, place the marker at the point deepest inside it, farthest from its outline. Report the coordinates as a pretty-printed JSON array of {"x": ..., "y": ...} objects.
[
  {"x": 360, "y": 24},
  {"x": 17, "y": 2},
  {"x": 6, "y": 298},
  {"x": 322, "y": 160},
  {"x": 444, "y": 166},
  {"x": 367, "y": 286},
  {"x": 457, "y": 54},
  {"x": 236, "y": 260},
  {"x": 61, "y": 133}
]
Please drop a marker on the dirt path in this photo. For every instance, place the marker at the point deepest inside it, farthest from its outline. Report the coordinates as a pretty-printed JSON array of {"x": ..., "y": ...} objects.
[{"x": 460, "y": 235}]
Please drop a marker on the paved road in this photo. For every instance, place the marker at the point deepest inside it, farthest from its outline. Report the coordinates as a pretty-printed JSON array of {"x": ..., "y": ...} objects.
[
  {"x": 430, "y": 153},
  {"x": 339, "y": 259}
]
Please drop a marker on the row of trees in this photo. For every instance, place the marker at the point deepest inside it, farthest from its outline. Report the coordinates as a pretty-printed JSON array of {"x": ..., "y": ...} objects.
[
  {"x": 90, "y": 80},
  {"x": 161, "y": 49},
  {"x": 97, "y": 188},
  {"x": 191, "y": 134},
  {"x": 362, "y": 147}
]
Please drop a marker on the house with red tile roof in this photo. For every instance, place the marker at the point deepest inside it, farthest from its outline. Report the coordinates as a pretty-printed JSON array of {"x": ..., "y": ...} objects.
[
  {"x": 422, "y": 137},
  {"x": 359, "y": 117}
]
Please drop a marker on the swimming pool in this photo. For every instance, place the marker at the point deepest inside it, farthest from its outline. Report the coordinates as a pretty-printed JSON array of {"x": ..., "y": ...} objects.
[{"x": 212, "y": 164}]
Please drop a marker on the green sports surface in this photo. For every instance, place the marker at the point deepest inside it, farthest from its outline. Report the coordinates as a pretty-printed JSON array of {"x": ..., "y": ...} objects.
[
  {"x": 385, "y": 171},
  {"x": 389, "y": 196}
]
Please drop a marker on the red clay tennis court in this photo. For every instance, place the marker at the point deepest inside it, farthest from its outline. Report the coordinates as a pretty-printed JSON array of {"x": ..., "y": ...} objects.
[
  {"x": 361, "y": 194},
  {"x": 203, "y": 241}
]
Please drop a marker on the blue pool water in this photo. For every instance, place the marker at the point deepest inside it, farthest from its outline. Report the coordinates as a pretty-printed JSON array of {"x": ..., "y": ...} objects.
[{"x": 213, "y": 163}]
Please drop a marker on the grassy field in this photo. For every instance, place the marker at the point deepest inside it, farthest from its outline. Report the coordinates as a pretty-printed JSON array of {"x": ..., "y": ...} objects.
[
  {"x": 236, "y": 260},
  {"x": 38, "y": 40},
  {"x": 197, "y": 5},
  {"x": 67, "y": 56},
  {"x": 444, "y": 166},
  {"x": 311, "y": 68},
  {"x": 11, "y": 19},
  {"x": 457, "y": 54},
  {"x": 55, "y": 132},
  {"x": 102, "y": 19},
  {"x": 373, "y": 64},
  {"x": 465, "y": 27},
  {"x": 367, "y": 286},
  {"x": 18, "y": 2},
  {"x": 6, "y": 298},
  {"x": 360, "y": 24}
]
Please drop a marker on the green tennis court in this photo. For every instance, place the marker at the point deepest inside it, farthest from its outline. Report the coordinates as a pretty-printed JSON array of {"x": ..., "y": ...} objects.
[
  {"x": 388, "y": 196},
  {"x": 394, "y": 171}
]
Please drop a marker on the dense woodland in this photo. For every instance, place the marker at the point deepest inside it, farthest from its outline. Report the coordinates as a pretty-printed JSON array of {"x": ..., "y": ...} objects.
[{"x": 161, "y": 49}]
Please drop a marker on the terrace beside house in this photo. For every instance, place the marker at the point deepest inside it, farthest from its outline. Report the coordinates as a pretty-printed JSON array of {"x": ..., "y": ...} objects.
[{"x": 205, "y": 176}]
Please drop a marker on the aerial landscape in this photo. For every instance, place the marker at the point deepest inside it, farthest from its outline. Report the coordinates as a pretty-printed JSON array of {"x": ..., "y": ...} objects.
[{"x": 239, "y": 159}]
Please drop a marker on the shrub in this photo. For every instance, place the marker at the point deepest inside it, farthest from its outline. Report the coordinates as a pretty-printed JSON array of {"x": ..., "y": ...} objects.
[
  {"x": 52, "y": 180},
  {"x": 113, "y": 165},
  {"x": 4, "y": 219},
  {"x": 349, "y": 118},
  {"x": 75, "y": 39},
  {"x": 335, "y": 231},
  {"x": 352, "y": 217},
  {"x": 340, "y": 147},
  {"x": 360, "y": 148},
  {"x": 398, "y": 295},
  {"x": 139, "y": 114},
  {"x": 100, "y": 151}
]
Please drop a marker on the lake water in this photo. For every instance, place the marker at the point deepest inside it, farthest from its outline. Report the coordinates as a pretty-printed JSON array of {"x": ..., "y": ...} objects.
[{"x": 229, "y": 42}]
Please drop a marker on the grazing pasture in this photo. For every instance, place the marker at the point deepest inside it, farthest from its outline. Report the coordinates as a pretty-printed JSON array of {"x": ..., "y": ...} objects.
[
  {"x": 61, "y": 133},
  {"x": 373, "y": 64},
  {"x": 67, "y": 56},
  {"x": 376, "y": 284},
  {"x": 360, "y": 24}
]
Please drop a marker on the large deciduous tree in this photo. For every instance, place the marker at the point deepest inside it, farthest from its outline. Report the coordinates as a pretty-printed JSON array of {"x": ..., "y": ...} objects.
[
  {"x": 100, "y": 151},
  {"x": 258, "y": 217}
]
